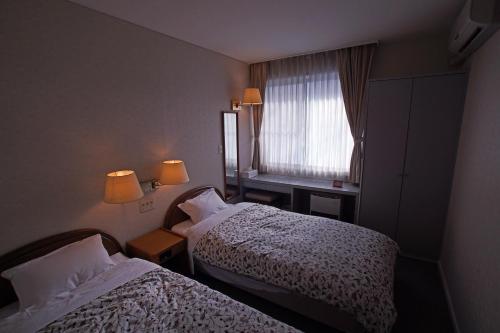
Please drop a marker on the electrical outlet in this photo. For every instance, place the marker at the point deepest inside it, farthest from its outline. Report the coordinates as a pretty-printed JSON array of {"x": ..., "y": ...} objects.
[
  {"x": 146, "y": 204},
  {"x": 219, "y": 149}
]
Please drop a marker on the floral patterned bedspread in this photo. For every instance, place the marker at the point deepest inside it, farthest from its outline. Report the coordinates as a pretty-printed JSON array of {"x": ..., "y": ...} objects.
[
  {"x": 163, "y": 301},
  {"x": 347, "y": 266}
]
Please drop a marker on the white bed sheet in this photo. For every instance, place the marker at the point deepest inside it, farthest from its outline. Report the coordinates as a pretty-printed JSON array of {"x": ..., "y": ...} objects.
[
  {"x": 118, "y": 258},
  {"x": 37, "y": 317},
  {"x": 183, "y": 227}
]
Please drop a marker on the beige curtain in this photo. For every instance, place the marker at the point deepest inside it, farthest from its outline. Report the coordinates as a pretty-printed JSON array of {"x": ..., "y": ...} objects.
[
  {"x": 354, "y": 67},
  {"x": 258, "y": 79}
]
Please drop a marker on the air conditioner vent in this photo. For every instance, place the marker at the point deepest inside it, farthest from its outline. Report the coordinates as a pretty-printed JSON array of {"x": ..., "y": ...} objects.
[
  {"x": 469, "y": 41},
  {"x": 477, "y": 21}
]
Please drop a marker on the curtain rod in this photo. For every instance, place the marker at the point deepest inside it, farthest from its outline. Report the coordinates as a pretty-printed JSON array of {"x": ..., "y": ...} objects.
[{"x": 343, "y": 46}]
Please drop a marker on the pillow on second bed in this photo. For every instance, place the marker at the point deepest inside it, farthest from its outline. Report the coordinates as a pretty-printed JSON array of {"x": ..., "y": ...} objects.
[
  {"x": 202, "y": 206},
  {"x": 39, "y": 280}
]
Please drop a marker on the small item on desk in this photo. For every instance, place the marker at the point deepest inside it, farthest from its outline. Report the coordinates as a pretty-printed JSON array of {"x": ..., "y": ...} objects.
[
  {"x": 338, "y": 183},
  {"x": 248, "y": 173}
]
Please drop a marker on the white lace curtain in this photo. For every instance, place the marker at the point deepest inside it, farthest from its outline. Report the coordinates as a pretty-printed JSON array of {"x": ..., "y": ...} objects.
[{"x": 305, "y": 131}]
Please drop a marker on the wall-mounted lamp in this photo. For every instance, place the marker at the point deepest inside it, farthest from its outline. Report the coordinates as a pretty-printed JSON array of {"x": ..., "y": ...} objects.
[
  {"x": 121, "y": 187},
  {"x": 251, "y": 96},
  {"x": 173, "y": 172}
]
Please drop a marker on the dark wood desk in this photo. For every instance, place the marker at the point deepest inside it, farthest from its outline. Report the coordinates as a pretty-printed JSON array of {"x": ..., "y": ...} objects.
[{"x": 300, "y": 190}]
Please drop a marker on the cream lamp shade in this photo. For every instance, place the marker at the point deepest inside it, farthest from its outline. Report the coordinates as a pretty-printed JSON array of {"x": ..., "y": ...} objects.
[
  {"x": 122, "y": 186},
  {"x": 173, "y": 172},
  {"x": 251, "y": 96}
]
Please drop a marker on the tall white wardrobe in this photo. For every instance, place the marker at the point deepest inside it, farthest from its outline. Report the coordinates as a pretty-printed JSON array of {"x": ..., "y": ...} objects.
[{"x": 412, "y": 133}]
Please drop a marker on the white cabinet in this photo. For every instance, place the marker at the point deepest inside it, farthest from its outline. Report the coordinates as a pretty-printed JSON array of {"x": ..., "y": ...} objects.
[{"x": 412, "y": 133}]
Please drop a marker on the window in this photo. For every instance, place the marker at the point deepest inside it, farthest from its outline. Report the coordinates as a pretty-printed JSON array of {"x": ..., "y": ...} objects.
[{"x": 305, "y": 131}]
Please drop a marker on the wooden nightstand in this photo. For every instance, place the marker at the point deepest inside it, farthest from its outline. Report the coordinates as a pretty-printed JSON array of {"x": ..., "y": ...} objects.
[{"x": 162, "y": 247}]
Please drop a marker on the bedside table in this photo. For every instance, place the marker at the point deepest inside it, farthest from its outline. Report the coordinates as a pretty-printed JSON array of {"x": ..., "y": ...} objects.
[{"x": 162, "y": 247}]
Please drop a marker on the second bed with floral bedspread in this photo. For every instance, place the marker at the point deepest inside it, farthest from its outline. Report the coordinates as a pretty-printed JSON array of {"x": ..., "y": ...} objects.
[{"x": 347, "y": 266}]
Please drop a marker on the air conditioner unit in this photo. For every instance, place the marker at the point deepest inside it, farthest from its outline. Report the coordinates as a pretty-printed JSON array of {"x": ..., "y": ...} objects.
[{"x": 477, "y": 21}]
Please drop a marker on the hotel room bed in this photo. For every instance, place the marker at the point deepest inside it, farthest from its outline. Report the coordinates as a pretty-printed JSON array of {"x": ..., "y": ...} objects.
[
  {"x": 338, "y": 273},
  {"x": 132, "y": 295}
]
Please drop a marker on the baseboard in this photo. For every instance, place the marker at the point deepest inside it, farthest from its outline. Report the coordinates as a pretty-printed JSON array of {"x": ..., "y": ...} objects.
[{"x": 451, "y": 309}]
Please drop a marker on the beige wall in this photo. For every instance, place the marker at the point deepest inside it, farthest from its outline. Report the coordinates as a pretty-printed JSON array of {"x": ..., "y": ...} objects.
[
  {"x": 471, "y": 245},
  {"x": 82, "y": 94},
  {"x": 412, "y": 56}
]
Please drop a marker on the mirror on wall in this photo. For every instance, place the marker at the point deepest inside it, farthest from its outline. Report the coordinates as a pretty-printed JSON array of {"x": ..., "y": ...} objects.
[{"x": 230, "y": 154}]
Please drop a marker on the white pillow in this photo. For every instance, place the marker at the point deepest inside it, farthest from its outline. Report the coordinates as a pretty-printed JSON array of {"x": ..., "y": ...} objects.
[
  {"x": 202, "y": 206},
  {"x": 40, "y": 279}
]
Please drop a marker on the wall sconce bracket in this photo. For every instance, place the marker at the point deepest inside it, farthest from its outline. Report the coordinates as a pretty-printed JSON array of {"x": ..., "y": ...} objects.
[{"x": 149, "y": 186}]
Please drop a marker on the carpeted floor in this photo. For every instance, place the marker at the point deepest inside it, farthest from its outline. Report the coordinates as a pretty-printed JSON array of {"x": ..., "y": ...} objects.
[{"x": 419, "y": 297}]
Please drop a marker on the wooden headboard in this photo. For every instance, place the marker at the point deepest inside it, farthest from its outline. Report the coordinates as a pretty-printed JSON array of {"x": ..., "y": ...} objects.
[
  {"x": 42, "y": 247},
  {"x": 175, "y": 214}
]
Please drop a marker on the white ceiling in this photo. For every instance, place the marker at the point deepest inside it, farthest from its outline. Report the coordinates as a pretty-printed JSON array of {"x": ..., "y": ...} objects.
[{"x": 258, "y": 30}]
